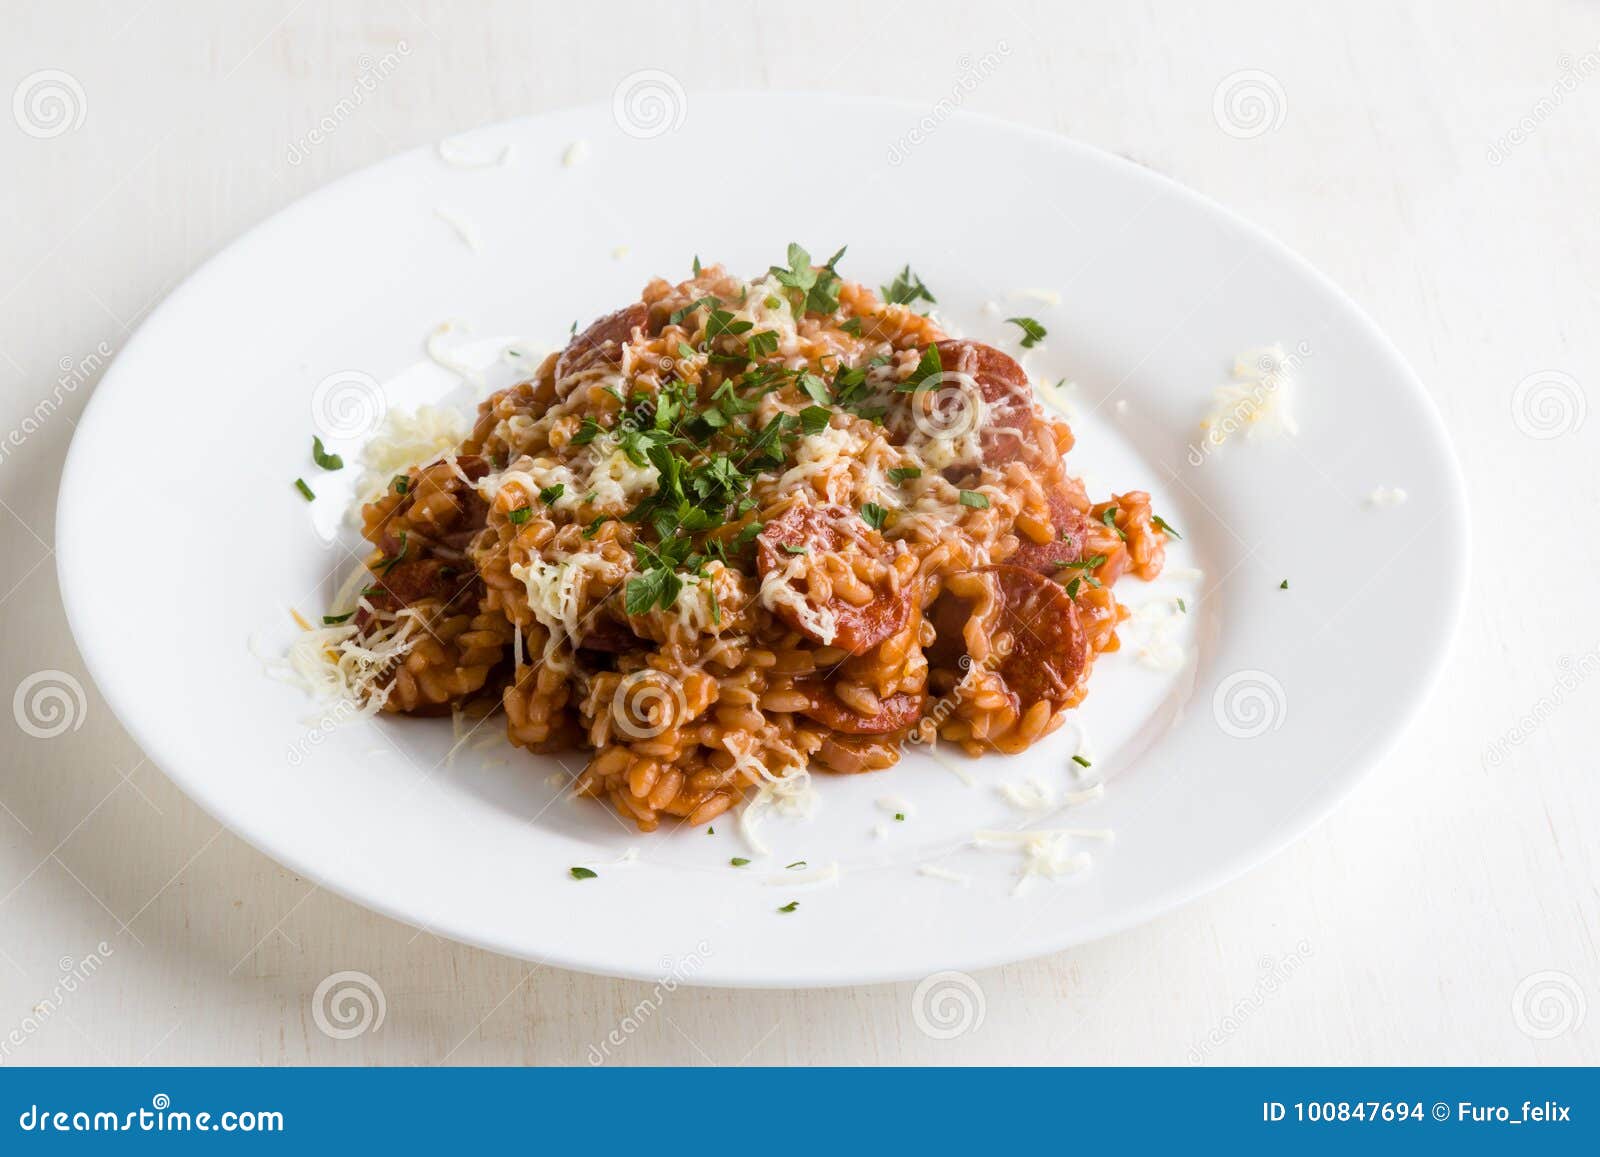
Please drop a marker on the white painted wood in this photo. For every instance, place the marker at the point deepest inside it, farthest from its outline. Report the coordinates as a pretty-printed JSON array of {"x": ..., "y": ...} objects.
[{"x": 1400, "y": 931}]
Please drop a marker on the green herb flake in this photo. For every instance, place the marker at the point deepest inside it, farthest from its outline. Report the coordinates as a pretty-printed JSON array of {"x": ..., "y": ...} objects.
[
  {"x": 1109, "y": 517},
  {"x": 975, "y": 500},
  {"x": 324, "y": 459},
  {"x": 1032, "y": 332},
  {"x": 790, "y": 906},
  {"x": 901, "y": 816},
  {"x": 738, "y": 861},
  {"x": 305, "y": 491},
  {"x": 1284, "y": 585},
  {"x": 1081, "y": 762},
  {"x": 1163, "y": 524},
  {"x": 790, "y": 548},
  {"x": 875, "y": 516},
  {"x": 335, "y": 620},
  {"x": 582, "y": 873},
  {"x": 814, "y": 420},
  {"x": 796, "y": 864},
  {"x": 520, "y": 515},
  {"x": 906, "y": 288},
  {"x": 1182, "y": 606},
  {"x": 899, "y": 474},
  {"x": 549, "y": 494},
  {"x": 401, "y": 483}
]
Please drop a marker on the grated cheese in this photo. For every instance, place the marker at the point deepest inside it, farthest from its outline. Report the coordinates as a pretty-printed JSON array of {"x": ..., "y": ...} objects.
[
  {"x": 935, "y": 872},
  {"x": 1258, "y": 401},
  {"x": 453, "y": 153},
  {"x": 777, "y": 590},
  {"x": 464, "y": 226},
  {"x": 444, "y": 356},
  {"x": 407, "y": 439},
  {"x": 577, "y": 153},
  {"x": 1387, "y": 496}
]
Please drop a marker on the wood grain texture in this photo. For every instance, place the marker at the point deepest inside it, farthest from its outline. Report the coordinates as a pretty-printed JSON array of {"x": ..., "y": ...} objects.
[{"x": 1397, "y": 932}]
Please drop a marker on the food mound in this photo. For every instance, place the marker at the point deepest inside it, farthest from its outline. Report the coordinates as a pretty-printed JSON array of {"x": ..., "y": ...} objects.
[{"x": 742, "y": 528}]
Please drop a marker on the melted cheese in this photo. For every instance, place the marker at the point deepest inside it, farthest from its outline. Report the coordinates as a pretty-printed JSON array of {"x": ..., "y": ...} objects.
[{"x": 778, "y": 590}]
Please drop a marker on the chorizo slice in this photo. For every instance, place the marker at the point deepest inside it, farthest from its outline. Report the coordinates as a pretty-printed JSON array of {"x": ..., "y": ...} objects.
[
  {"x": 602, "y": 342},
  {"x": 896, "y": 712},
  {"x": 1007, "y": 395},
  {"x": 825, "y": 536},
  {"x": 1049, "y": 649},
  {"x": 1070, "y": 526}
]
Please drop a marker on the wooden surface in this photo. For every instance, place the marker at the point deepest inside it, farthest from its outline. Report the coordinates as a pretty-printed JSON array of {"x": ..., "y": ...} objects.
[{"x": 1446, "y": 913}]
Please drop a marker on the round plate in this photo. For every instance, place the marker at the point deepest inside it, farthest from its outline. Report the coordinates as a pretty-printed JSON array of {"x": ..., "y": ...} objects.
[{"x": 183, "y": 545}]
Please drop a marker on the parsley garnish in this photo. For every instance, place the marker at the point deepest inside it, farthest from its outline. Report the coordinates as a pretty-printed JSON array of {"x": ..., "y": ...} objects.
[
  {"x": 790, "y": 906},
  {"x": 401, "y": 483},
  {"x": 520, "y": 515},
  {"x": 738, "y": 861},
  {"x": 677, "y": 315},
  {"x": 791, "y": 548},
  {"x": 583, "y": 873},
  {"x": 812, "y": 290},
  {"x": 1109, "y": 517},
  {"x": 1163, "y": 524},
  {"x": 906, "y": 288},
  {"x": 975, "y": 500},
  {"x": 1081, "y": 762},
  {"x": 305, "y": 491},
  {"x": 899, "y": 474},
  {"x": 335, "y": 620},
  {"x": 1284, "y": 585},
  {"x": 1182, "y": 606},
  {"x": 324, "y": 459},
  {"x": 549, "y": 494},
  {"x": 900, "y": 816},
  {"x": 874, "y": 515},
  {"x": 796, "y": 864},
  {"x": 1032, "y": 332}
]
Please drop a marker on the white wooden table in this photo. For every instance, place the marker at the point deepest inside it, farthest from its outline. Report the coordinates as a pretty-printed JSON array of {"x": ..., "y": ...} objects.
[{"x": 1439, "y": 162}]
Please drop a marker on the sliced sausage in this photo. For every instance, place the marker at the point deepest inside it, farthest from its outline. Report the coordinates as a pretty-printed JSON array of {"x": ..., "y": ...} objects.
[
  {"x": 602, "y": 342},
  {"x": 1070, "y": 526},
  {"x": 1007, "y": 395},
  {"x": 1049, "y": 648},
  {"x": 813, "y": 533},
  {"x": 898, "y": 711}
]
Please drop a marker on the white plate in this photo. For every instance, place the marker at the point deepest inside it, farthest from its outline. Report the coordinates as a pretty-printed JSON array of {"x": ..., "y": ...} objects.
[{"x": 181, "y": 540}]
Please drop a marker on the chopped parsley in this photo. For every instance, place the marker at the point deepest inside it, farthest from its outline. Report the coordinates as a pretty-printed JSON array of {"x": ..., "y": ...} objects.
[
  {"x": 1182, "y": 606},
  {"x": 810, "y": 290},
  {"x": 583, "y": 873},
  {"x": 1081, "y": 762},
  {"x": 900, "y": 816},
  {"x": 1163, "y": 524},
  {"x": 906, "y": 288},
  {"x": 549, "y": 494},
  {"x": 1284, "y": 585},
  {"x": 1109, "y": 517},
  {"x": 874, "y": 515},
  {"x": 401, "y": 483},
  {"x": 1032, "y": 332},
  {"x": 796, "y": 864},
  {"x": 738, "y": 861},
  {"x": 324, "y": 459},
  {"x": 520, "y": 515},
  {"x": 791, "y": 548},
  {"x": 305, "y": 491},
  {"x": 790, "y": 906},
  {"x": 975, "y": 500},
  {"x": 899, "y": 474},
  {"x": 335, "y": 620}
]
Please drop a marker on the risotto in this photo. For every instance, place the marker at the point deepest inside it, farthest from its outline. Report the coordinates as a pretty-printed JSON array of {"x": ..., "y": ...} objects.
[{"x": 742, "y": 528}]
